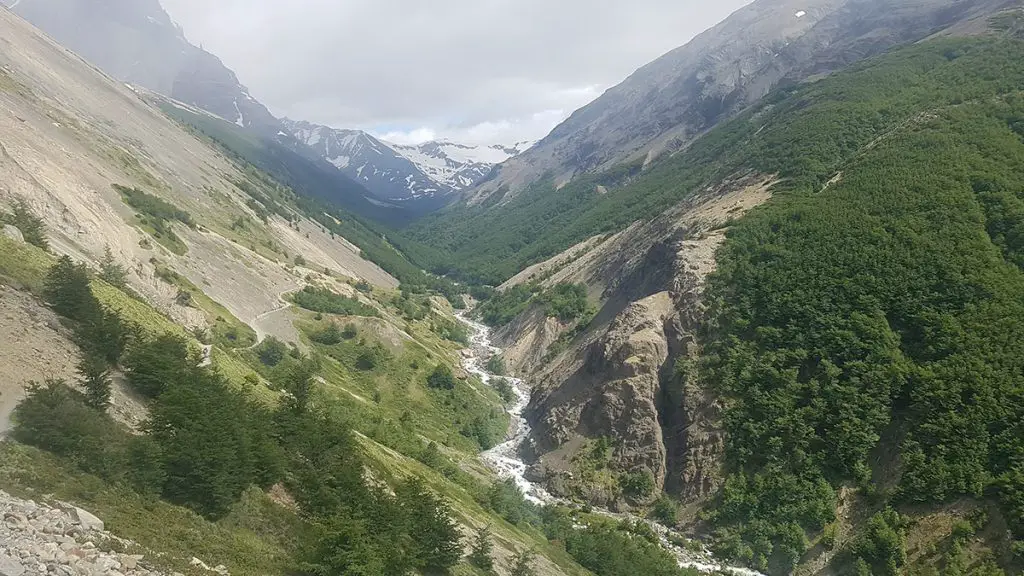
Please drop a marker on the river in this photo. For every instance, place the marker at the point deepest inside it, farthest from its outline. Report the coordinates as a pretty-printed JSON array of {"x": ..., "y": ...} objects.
[{"x": 504, "y": 459}]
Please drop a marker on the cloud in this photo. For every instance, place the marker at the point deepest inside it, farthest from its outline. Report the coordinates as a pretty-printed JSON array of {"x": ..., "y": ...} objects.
[{"x": 503, "y": 69}]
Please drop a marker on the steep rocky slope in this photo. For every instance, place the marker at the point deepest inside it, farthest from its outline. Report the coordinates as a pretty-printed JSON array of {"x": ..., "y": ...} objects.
[
  {"x": 136, "y": 41},
  {"x": 648, "y": 281},
  {"x": 71, "y": 133},
  {"x": 663, "y": 106}
]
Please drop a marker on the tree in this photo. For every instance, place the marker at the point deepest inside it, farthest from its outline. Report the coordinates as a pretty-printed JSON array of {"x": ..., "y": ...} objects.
[
  {"x": 96, "y": 379},
  {"x": 30, "y": 225},
  {"x": 441, "y": 378},
  {"x": 110, "y": 271},
  {"x": 300, "y": 384},
  {"x": 67, "y": 289},
  {"x": 480, "y": 556},
  {"x": 429, "y": 523},
  {"x": 523, "y": 564},
  {"x": 153, "y": 365},
  {"x": 272, "y": 351}
]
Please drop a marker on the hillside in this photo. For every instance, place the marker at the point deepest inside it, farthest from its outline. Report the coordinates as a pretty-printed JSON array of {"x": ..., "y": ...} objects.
[
  {"x": 662, "y": 107},
  {"x": 806, "y": 328},
  {"x": 209, "y": 363}
]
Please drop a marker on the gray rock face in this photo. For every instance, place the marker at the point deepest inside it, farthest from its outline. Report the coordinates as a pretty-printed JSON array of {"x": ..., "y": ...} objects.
[
  {"x": 668, "y": 103},
  {"x": 12, "y": 233}
]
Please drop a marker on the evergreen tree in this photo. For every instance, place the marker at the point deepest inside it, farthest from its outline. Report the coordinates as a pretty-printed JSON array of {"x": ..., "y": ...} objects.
[
  {"x": 523, "y": 564},
  {"x": 96, "y": 379},
  {"x": 152, "y": 365},
  {"x": 30, "y": 225},
  {"x": 429, "y": 523},
  {"x": 300, "y": 384},
  {"x": 67, "y": 289},
  {"x": 480, "y": 556},
  {"x": 111, "y": 272}
]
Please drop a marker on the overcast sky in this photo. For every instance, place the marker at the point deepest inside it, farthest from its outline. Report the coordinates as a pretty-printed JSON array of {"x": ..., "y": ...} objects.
[{"x": 479, "y": 71}]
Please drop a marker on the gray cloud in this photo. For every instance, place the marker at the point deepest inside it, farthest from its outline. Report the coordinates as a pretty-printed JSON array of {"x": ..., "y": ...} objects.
[{"x": 480, "y": 70}]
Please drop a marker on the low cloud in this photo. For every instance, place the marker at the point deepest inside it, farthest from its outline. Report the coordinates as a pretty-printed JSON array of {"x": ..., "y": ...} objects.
[{"x": 478, "y": 70}]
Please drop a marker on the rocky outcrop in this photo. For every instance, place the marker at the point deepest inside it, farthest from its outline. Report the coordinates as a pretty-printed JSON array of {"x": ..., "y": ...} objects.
[
  {"x": 38, "y": 540},
  {"x": 526, "y": 339},
  {"x": 630, "y": 377}
]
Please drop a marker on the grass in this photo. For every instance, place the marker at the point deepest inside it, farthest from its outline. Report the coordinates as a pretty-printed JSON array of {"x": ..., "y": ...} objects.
[
  {"x": 23, "y": 265},
  {"x": 248, "y": 541}
]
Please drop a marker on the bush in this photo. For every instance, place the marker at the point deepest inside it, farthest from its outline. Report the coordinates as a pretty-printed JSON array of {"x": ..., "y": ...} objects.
[
  {"x": 271, "y": 351},
  {"x": 567, "y": 302},
  {"x": 505, "y": 390},
  {"x": 57, "y": 419},
  {"x": 329, "y": 336},
  {"x": 373, "y": 357},
  {"x": 666, "y": 511},
  {"x": 441, "y": 378},
  {"x": 638, "y": 485},
  {"x": 496, "y": 365},
  {"x": 350, "y": 331},
  {"x": 325, "y": 301}
]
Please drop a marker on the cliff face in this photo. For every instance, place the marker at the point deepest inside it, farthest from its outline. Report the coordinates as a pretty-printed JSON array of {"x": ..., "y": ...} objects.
[{"x": 627, "y": 378}]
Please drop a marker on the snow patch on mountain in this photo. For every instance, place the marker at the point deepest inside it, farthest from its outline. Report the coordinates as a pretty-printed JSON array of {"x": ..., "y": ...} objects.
[
  {"x": 458, "y": 166},
  {"x": 397, "y": 172}
]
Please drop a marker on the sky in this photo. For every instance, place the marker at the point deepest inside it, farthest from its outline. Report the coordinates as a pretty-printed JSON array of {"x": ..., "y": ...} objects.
[{"x": 473, "y": 71}]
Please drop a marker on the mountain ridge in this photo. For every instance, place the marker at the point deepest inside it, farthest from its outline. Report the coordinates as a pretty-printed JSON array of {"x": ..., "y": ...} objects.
[
  {"x": 397, "y": 172},
  {"x": 667, "y": 103}
]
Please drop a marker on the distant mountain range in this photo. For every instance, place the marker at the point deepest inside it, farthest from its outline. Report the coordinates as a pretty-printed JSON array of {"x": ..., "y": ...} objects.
[
  {"x": 136, "y": 42},
  {"x": 402, "y": 172}
]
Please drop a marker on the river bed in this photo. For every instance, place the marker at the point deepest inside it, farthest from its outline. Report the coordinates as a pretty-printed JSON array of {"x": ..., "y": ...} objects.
[{"x": 505, "y": 460}]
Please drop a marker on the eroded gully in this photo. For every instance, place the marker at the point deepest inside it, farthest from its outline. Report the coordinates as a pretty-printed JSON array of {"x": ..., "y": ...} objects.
[{"x": 505, "y": 460}]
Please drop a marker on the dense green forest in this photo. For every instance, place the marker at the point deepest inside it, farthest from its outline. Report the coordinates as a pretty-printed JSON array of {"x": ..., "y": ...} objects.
[
  {"x": 886, "y": 305},
  {"x": 876, "y": 300}
]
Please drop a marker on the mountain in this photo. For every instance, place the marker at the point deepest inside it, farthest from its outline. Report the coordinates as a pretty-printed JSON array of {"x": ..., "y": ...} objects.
[
  {"x": 190, "y": 345},
  {"x": 401, "y": 173},
  {"x": 137, "y": 42},
  {"x": 665, "y": 105},
  {"x": 805, "y": 328},
  {"x": 459, "y": 166}
]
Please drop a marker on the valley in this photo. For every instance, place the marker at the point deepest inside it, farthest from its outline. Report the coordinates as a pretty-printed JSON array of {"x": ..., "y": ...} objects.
[{"x": 754, "y": 311}]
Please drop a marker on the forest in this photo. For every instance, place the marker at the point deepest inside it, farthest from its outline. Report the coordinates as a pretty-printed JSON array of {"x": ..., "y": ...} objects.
[{"x": 874, "y": 302}]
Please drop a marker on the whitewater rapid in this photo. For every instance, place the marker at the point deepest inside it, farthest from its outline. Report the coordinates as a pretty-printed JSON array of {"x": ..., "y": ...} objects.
[{"x": 504, "y": 459}]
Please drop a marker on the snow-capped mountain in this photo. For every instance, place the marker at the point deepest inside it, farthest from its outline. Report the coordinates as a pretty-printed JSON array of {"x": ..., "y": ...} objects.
[
  {"x": 458, "y": 166},
  {"x": 373, "y": 163},
  {"x": 396, "y": 172}
]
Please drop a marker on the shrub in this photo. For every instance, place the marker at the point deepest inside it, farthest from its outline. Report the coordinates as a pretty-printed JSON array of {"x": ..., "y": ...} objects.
[
  {"x": 566, "y": 302},
  {"x": 637, "y": 485},
  {"x": 271, "y": 351},
  {"x": 32, "y": 228},
  {"x": 329, "y": 336},
  {"x": 665, "y": 511},
  {"x": 325, "y": 301},
  {"x": 441, "y": 378},
  {"x": 496, "y": 365}
]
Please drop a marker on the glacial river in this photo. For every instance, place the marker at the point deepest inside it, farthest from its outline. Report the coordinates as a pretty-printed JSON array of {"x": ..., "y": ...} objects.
[{"x": 504, "y": 459}]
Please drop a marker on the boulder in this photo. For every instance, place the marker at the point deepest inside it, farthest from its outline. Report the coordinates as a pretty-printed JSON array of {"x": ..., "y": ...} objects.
[
  {"x": 13, "y": 233},
  {"x": 10, "y": 567},
  {"x": 81, "y": 517}
]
